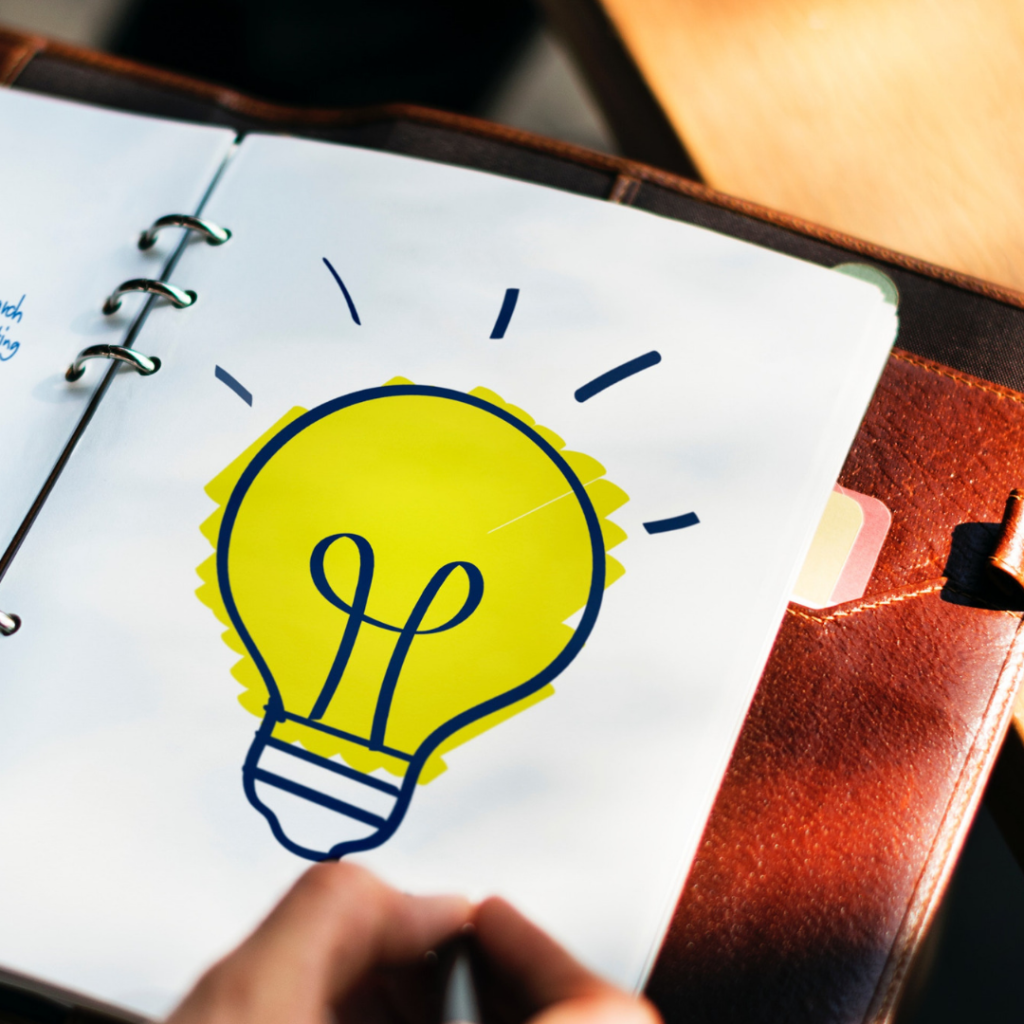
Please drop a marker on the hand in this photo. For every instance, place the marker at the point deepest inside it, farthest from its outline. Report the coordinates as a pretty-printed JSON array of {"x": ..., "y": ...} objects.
[
  {"x": 336, "y": 928},
  {"x": 533, "y": 977},
  {"x": 343, "y": 944}
]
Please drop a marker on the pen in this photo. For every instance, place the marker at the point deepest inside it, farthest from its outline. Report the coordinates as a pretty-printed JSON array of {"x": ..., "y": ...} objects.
[{"x": 461, "y": 1005}]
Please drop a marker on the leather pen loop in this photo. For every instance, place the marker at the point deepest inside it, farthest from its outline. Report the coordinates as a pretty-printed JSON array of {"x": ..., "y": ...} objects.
[
  {"x": 9, "y": 624},
  {"x": 178, "y": 297},
  {"x": 1006, "y": 563},
  {"x": 213, "y": 233},
  {"x": 142, "y": 364}
]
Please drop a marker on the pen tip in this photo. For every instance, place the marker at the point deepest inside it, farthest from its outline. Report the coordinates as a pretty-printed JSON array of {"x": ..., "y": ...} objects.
[{"x": 460, "y": 1002}]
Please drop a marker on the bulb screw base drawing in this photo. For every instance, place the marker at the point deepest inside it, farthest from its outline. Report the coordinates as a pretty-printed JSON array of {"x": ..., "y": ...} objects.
[{"x": 316, "y": 805}]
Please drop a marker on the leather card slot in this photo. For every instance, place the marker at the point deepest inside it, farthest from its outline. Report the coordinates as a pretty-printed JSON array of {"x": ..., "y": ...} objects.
[
  {"x": 940, "y": 450},
  {"x": 851, "y": 782}
]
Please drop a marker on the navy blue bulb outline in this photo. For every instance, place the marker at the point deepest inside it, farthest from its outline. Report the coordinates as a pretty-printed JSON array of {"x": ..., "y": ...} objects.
[{"x": 275, "y": 711}]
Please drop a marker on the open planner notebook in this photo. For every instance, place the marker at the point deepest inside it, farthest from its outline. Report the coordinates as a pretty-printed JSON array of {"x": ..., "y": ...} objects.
[{"x": 450, "y": 534}]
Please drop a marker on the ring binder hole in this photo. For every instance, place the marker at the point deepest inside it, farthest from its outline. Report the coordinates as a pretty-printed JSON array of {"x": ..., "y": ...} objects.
[
  {"x": 9, "y": 624},
  {"x": 142, "y": 364},
  {"x": 213, "y": 233}
]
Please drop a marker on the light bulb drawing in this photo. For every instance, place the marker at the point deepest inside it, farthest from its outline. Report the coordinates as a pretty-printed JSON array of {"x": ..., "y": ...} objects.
[{"x": 397, "y": 567}]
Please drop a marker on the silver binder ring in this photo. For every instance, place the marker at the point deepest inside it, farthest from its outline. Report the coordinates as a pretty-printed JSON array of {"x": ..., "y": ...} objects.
[
  {"x": 178, "y": 297},
  {"x": 9, "y": 624},
  {"x": 144, "y": 365},
  {"x": 213, "y": 233}
]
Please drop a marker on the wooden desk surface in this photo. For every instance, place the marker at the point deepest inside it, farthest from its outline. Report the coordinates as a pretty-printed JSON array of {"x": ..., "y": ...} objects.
[{"x": 898, "y": 121}]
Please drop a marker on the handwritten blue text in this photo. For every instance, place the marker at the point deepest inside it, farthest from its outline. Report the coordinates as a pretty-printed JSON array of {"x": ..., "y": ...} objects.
[
  {"x": 12, "y": 313},
  {"x": 11, "y": 310}
]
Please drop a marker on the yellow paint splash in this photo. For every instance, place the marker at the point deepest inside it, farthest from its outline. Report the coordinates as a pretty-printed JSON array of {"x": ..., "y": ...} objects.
[{"x": 426, "y": 481}]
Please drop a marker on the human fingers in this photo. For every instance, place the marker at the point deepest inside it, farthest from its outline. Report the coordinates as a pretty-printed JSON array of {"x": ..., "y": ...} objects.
[
  {"x": 543, "y": 968},
  {"x": 613, "y": 1007},
  {"x": 349, "y": 920},
  {"x": 560, "y": 989},
  {"x": 336, "y": 923}
]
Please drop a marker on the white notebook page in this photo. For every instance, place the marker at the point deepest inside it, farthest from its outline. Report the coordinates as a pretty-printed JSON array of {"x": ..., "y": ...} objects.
[
  {"x": 77, "y": 186},
  {"x": 126, "y": 739}
]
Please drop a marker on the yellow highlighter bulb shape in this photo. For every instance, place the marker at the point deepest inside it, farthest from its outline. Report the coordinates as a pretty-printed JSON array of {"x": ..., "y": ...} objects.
[{"x": 397, "y": 566}]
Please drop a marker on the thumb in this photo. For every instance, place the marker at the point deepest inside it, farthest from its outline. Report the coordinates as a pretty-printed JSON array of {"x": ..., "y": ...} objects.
[{"x": 336, "y": 923}]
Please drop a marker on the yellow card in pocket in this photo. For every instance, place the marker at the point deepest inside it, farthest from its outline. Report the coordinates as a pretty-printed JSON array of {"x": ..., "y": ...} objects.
[{"x": 844, "y": 551}]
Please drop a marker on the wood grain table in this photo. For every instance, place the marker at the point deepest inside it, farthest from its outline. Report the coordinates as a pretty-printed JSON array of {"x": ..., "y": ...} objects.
[{"x": 898, "y": 121}]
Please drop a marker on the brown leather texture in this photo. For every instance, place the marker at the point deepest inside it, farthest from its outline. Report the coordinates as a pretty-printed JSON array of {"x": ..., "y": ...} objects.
[
  {"x": 876, "y": 722},
  {"x": 859, "y": 765}
]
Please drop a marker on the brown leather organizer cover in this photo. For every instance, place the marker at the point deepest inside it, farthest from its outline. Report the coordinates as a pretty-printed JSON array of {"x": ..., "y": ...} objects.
[
  {"x": 861, "y": 761},
  {"x": 876, "y": 722}
]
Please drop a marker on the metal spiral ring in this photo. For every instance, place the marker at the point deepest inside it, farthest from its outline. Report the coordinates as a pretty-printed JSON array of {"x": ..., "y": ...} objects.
[
  {"x": 142, "y": 364},
  {"x": 9, "y": 624},
  {"x": 213, "y": 233},
  {"x": 178, "y": 297}
]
